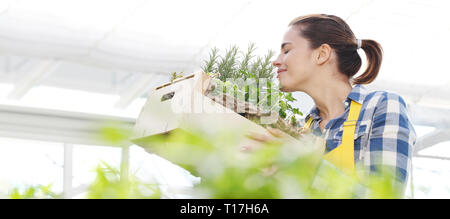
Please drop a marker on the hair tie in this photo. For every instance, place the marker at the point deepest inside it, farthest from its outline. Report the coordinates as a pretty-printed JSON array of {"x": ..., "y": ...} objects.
[{"x": 359, "y": 42}]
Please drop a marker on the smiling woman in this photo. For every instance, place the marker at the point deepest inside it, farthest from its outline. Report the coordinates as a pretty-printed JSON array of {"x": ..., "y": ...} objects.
[
  {"x": 326, "y": 33},
  {"x": 368, "y": 129}
]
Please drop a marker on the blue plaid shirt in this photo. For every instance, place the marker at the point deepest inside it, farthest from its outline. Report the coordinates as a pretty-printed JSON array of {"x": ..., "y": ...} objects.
[{"x": 384, "y": 135}]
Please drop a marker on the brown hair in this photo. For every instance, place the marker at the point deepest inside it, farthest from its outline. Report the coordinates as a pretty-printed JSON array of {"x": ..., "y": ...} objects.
[{"x": 332, "y": 30}]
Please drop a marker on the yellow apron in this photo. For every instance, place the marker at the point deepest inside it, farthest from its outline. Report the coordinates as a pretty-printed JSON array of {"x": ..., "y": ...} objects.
[{"x": 343, "y": 156}]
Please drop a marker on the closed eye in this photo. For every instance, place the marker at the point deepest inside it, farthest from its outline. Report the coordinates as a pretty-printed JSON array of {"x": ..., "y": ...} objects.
[{"x": 285, "y": 52}]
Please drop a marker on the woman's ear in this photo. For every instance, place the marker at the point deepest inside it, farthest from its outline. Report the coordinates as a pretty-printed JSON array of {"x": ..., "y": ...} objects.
[{"x": 323, "y": 54}]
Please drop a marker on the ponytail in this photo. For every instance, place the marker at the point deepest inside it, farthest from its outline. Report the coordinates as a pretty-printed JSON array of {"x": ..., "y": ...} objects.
[{"x": 374, "y": 54}]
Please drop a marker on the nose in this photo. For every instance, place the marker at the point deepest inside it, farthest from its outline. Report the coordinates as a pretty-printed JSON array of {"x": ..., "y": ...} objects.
[{"x": 277, "y": 62}]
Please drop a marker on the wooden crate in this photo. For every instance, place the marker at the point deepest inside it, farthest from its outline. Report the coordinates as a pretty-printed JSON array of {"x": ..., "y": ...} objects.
[{"x": 183, "y": 102}]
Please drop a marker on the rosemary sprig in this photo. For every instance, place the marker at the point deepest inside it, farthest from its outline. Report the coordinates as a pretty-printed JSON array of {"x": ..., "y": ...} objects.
[
  {"x": 227, "y": 65},
  {"x": 231, "y": 67},
  {"x": 245, "y": 64},
  {"x": 209, "y": 66},
  {"x": 266, "y": 67}
]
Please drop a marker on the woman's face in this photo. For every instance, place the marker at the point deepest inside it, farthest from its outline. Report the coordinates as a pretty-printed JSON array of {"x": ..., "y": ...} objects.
[{"x": 295, "y": 63}]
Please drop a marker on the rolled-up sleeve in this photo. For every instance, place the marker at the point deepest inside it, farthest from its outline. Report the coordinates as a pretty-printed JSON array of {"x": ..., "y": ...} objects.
[{"x": 391, "y": 138}]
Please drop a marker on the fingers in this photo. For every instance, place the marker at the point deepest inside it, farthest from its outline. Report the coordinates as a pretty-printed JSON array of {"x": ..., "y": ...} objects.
[
  {"x": 264, "y": 138},
  {"x": 258, "y": 137},
  {"x": 275, "y": 132}
]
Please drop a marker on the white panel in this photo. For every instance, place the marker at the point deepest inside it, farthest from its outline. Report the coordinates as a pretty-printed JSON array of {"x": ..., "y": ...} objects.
[
  {"x": 54, "y": 125},
  {"x": 41, "y": 70},
  {"x": 145, "y": 82}
]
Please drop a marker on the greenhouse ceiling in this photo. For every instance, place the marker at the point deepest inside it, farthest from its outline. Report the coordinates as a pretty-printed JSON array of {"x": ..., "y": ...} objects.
[{"x": 125, "y": 48}]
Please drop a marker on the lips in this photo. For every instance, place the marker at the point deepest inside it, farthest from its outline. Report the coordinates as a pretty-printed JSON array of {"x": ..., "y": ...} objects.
[{"x": 280, "y": 71}]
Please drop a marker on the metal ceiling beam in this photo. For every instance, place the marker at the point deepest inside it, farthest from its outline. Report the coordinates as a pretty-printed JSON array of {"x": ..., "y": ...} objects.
[
  {"x": 430, "y": 116},
  {"x": 416, "y": 94},
  {"x": 428, "y": 105},
  {"x": 431, "y": 139},
  {"x": 57, "y": 126},
  {"x": 432, "y": 157},
  {"x": 40, "y": 71}
]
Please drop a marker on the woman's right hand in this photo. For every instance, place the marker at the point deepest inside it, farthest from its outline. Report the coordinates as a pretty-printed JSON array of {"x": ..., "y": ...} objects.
[
  {"x": 258, "y": 139},
  {"x": 306, "y": 145}
]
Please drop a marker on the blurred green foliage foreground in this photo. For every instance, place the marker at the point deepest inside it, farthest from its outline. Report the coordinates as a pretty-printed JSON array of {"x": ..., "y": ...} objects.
[
  {"x": 271, "y": 170},
  {"x": 107, "y": 185},
  {"x": 277, "y": 168}
]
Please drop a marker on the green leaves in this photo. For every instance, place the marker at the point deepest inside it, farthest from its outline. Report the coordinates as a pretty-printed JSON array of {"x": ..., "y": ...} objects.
[
  {"x": 174, "y": 76},
  {"x": 109, "y": 185},
  {"x": 114, "y": 133},
  {"x": 297, "y": 111},
  {"x": 289, "y": 97},
  {"x": 237, "y": 64},
  {"x": 209, "y": 65},
  {"x": 226, "y": 66},
  {"x": 287, "y": 111},
  {"x": 34, "y": 192},
  {"x": 274, "y": 169},
  {"x": 215, "y": 157},
  {"x": 245, "y": 63},
  {"x": 259, "y": 75}
]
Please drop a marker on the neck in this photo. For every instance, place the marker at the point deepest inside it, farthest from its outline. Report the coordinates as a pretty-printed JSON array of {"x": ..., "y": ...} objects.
[{"x": 329, "y": 96}]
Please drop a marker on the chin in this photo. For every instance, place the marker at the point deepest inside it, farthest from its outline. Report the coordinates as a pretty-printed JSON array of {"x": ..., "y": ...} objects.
[
  {"x": 285, "y": 89},
  {"x": 285, "y": 85}
]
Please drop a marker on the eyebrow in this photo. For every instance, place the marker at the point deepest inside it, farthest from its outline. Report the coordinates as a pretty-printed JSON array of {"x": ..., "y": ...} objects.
[{"x": 284, "y": 44}]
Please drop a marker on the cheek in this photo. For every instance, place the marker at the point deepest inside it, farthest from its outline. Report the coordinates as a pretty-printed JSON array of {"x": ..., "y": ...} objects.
[
  {"x": 298, "y": 65},
  {"x": 292, "y": 60},
  {"x": 299, "y": 69},
  {"x": 295, "y": 65}
]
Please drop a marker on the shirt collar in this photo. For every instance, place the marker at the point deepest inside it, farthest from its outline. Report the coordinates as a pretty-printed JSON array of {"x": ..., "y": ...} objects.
[{"x": 357, "y": 94}]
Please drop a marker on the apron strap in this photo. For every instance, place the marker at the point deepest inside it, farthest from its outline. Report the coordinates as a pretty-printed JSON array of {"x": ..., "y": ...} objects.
[
  {"x": 343, "y": 156},
  {"x": 308, "y": 123}
]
